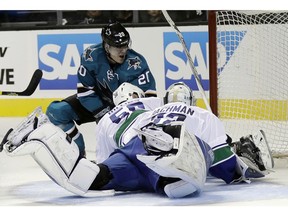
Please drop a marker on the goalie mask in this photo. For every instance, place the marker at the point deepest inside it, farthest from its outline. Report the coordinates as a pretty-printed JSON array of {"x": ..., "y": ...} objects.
[
  {"x": 180, "y": 92},
  {"x": 126, "y": 92}
]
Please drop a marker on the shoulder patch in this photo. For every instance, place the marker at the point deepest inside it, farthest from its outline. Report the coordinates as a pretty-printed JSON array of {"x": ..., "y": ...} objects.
[
  {"x": 134, "y": 63},
  {"x": 87, "y": 54}
]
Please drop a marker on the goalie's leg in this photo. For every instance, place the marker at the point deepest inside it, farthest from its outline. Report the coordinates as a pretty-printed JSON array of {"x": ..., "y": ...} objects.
[{"x": 59, "y": 158}]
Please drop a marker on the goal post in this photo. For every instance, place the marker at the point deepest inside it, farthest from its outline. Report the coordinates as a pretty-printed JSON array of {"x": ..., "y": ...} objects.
[{"x": 248, "y": 64}]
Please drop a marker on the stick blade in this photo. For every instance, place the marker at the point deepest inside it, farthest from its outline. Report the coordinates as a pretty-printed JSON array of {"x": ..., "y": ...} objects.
[{"x": 37, "y": 76}]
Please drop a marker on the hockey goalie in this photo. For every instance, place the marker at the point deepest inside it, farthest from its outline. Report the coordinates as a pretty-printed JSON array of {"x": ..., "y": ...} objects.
[{"x": 171, "y": 151}]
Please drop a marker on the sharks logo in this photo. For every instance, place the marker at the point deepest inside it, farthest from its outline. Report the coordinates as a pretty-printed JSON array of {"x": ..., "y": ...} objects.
[
  {"x": 134, "y": 63},
  {"x": 87, "y": 54}
]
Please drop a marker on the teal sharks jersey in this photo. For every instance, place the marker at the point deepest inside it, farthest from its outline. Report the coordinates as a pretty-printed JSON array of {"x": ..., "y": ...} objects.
[{"x": 97, "y": 78}]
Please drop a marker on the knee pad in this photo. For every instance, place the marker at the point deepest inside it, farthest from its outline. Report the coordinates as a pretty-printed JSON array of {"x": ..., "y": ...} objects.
[{"x": 60, "y": 112}]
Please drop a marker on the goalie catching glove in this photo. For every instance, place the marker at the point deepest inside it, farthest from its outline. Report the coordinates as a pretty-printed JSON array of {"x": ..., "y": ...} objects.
[{"x": 254, "y": 157}]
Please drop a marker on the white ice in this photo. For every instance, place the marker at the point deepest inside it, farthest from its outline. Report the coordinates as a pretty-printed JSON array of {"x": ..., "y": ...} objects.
[{"x": 23, "y": 183}]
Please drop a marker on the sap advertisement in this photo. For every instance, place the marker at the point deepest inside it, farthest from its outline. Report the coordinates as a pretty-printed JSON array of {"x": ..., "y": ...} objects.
[
  {"x": 59, "y": 56},
  {"x": 176, "y": 63}
]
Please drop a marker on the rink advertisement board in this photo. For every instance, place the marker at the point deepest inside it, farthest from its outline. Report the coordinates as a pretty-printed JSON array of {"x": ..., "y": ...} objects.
[{"x": 57, "y": 54}]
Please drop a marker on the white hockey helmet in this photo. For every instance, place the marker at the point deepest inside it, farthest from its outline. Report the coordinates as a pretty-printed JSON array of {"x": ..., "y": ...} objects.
[
  {"x": 126, "y": 92},
  {"x": 179, "y": 92}
]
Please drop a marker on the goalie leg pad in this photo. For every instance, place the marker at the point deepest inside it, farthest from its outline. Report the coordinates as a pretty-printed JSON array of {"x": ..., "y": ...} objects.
[
  {"x": 64, "y": 151},
  {"x": 179, "y": 189},
  {"x": 188, "y": 164},
  {"x": 59, "y": 159},
  {"x": 84, "y": 174}
]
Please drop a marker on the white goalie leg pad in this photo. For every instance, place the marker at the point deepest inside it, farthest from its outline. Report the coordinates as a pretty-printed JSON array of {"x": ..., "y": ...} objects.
[
  {"x": 83, "y": 175},
  {"x": 57, "y": 157},
  {"x": 26, "y": 148},
  {"x": 188, "y": 164},
  {"x": 179, "y": 189}
]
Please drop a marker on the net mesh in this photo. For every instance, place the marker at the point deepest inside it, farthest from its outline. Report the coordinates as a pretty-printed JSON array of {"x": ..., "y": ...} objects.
[{"x": 252, "y": 62}]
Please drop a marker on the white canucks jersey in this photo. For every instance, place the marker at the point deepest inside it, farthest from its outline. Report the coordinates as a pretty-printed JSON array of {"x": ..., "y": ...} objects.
[
  {"x": 200, "y": 122},
  {"x": 108, "y": 135},
  {"x": 207, "y": 128}
]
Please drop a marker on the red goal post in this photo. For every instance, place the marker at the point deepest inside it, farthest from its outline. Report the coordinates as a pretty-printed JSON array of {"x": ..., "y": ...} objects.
[{"x": 248, "y": 65}]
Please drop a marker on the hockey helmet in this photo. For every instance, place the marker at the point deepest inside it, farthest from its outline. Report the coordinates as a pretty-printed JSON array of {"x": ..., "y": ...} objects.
[
  {"x": 126, "y": 92},
  {"x": 179, "y": 92},
  {"x": 114, "y": 34}
]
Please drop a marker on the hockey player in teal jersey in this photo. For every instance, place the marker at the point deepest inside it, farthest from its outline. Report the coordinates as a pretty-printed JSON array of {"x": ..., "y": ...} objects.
[{"x": 103, "y": 68}]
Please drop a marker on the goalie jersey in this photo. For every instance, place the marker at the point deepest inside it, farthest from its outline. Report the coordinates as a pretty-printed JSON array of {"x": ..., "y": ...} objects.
[{"x": 204, "y": 125}]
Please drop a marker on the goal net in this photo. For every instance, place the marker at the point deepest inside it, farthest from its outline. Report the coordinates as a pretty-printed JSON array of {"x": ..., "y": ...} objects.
[{"x": 251, "y": 73}]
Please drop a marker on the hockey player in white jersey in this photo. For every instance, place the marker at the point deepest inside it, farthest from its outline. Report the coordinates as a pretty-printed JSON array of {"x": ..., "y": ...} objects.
[
  {"x": 130, "y": 101},
  {"x": 60, "y": 159},
  {"x": 108, "y": 134},
  {"x": 253, "y": 154}
]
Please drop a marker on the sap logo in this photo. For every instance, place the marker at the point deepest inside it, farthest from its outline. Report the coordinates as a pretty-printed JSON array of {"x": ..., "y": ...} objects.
[
  {"x": 176, "y": 64},
  {"x": 59, "y": 58},
  {"x": 228, "y": 42}
]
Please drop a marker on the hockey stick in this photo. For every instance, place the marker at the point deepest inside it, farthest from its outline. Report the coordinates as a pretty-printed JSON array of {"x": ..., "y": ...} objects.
[
  {"x": 191, "y": 63},
  {"x": 30, "y": 88}
]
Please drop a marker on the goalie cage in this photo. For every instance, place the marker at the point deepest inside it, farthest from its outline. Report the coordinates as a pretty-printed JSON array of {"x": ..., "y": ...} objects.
[{"x": 248, "y": 53}]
